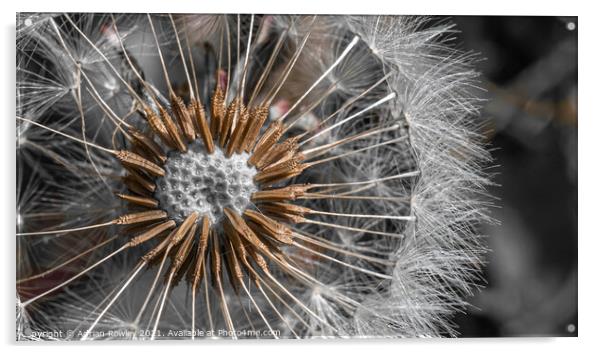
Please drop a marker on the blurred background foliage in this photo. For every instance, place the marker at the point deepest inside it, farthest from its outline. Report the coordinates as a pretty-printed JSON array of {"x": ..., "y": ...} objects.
[{"x": 530, "y": 74}]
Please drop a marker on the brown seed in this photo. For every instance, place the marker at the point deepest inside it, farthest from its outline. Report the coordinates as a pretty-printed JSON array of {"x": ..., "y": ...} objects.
[
  {"x": 184, "y": 250},
  {"x": 260, "y": 261},
  {"x": 281, "y": 171},
  {"x": 201, "y": 251},
  {"x": 184, "y": 227},
  {"x": 218, "y": 110},
  {"x": 239, "y": 131},
  {"x": 173, "y": 130},
  {"x": 257, "y": 117},
  {"x": 157, "y": 126},
  {"x": 143, "y": 216},
  {"x": 156, "y": 250},
  {"x": 148, "y": 144},
  {"x": 135, "y": 187},
  {"x": 155, "y": 231},
  {"x": 267, "y": 141},
  {"x": 182, "y": 115},
  {"x": 143, "y": 201},
  {"x": 269, "y": 227},
  {"x": 285, "y": 211},
  {"x": 240, "y": 248},
  {"x": 291, "y": 192},
  {"x": 134, "y": 160},
  {"x": 243, "y": 230},
  {"x": 232, "y": 113},
  {"x": 216, "y": 261},
  {"x": 280, "y": 152},
  {"x": 198, "y": 112},
  {"x": 234, "y": 270},
  {"x": 140, "y": 179}
]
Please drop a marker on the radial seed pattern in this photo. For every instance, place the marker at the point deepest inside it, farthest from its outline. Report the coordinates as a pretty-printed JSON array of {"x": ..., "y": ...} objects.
[{"x": 274, "y": 187}]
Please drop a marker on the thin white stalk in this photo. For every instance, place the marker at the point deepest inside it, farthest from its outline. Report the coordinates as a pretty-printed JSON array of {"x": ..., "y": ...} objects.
[
  {"x": 372, "y": 106},
  {"x": 127, "y": 283},
  {"x": 75, "y": 276},
  {"x": 350, "y": 46}
]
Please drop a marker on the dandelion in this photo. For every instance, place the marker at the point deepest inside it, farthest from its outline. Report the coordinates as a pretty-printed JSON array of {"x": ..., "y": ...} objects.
[{"x": 244, "y": 176}]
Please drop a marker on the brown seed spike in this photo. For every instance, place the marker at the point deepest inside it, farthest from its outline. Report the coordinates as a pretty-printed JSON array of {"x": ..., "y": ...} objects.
[
  {"x": 241, "y": 250},
  {"x": 198, "y": 112},
  {"x": 135, "y": 187},
  {"x": 291, "y": 192},
  {"x": 184, "y": 250},
  {"x": 293, "y": 208},
  {"x": 257, "y": 118},
  {"x": 143, "y": 201},
  {"x": 216, "y": 261},
  {"x": 218, "y": 110},
  {"x": 260, "y": 261},
  {"x": 267, "y": 141},
  {"x": 234, "y": 270},
  {"x": 156, "y": 250},
  {"x": 155, "y": 231},
  {"x": 182, "y": 115},
  {"x": 280, "y": 152},
  {"x": 134, "y": 160},
  {"x": 201, "y": 252},
  {"x": 157, "y": 126},
  {"x": 240, "y": 127},
  {"x": 239, "y": 131},
  {"x": 148, "y": 144},
  {"x": 172, "y": 129},
  {"x": 232, "y": 113},
  {"x": 270, "y": 227},
  {"x": 284, "y": 211},
  {"x": 140, "y": 179},
  {"x": 144, "y": 216},
  {"x": 293, "y": 160},
  {"x": 243, "y": 229},
  {"x": 184, "y": 227},
  {"x": 281, "y": 171}
]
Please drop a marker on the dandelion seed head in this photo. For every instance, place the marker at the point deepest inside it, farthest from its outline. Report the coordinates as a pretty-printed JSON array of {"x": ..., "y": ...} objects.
[{"x": 317, "y": 175}]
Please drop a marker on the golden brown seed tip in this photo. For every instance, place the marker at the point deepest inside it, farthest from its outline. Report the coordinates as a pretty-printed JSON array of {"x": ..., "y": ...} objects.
[
  {"x": 182, "y": 116},
  {"x": 148, "y": 144},
  {"x": 184, "y": 227},
  {"x": 184, "y": 250},
  {"x": 143, "y": 201},
  {"x": 156, "y": 250},
  {"x": 257, "y": 118},
  {"x": 144, "y": 216},
  {"x": 269, "y": 227},
  {"x": 172, "y": 129},
  {"x": 241, "y": 227},
  {"x": 239, "y": 130},
  {"x": 267, "y": 140},
  {"x": 218, "y": 111},
  {"x": 157, "y": 126},
  {"x": 134, "y": 160},
  {"x": 231, "y": 113},
  {"x": 155, "y": 231},
  {"x": 198, "y": 111},
  {"x": 216, "y": 261},
  {"x": 291, "y": 192},
  {"x": 201, "y": 251}
]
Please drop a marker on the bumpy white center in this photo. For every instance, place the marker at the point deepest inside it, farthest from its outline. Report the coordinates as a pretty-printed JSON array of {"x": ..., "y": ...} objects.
[{"x": 205, "y": 183}]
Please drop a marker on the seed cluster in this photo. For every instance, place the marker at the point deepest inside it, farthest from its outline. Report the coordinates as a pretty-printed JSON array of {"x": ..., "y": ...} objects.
[{"x": 212, "y": 189}]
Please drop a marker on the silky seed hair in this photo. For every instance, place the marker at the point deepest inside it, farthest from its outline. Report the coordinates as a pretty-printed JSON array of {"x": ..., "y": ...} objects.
[{"x": 194, "y": 176}]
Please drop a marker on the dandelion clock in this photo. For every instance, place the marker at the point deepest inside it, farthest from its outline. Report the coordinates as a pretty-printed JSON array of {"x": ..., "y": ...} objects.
[{"x": 244, "y": 176}]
